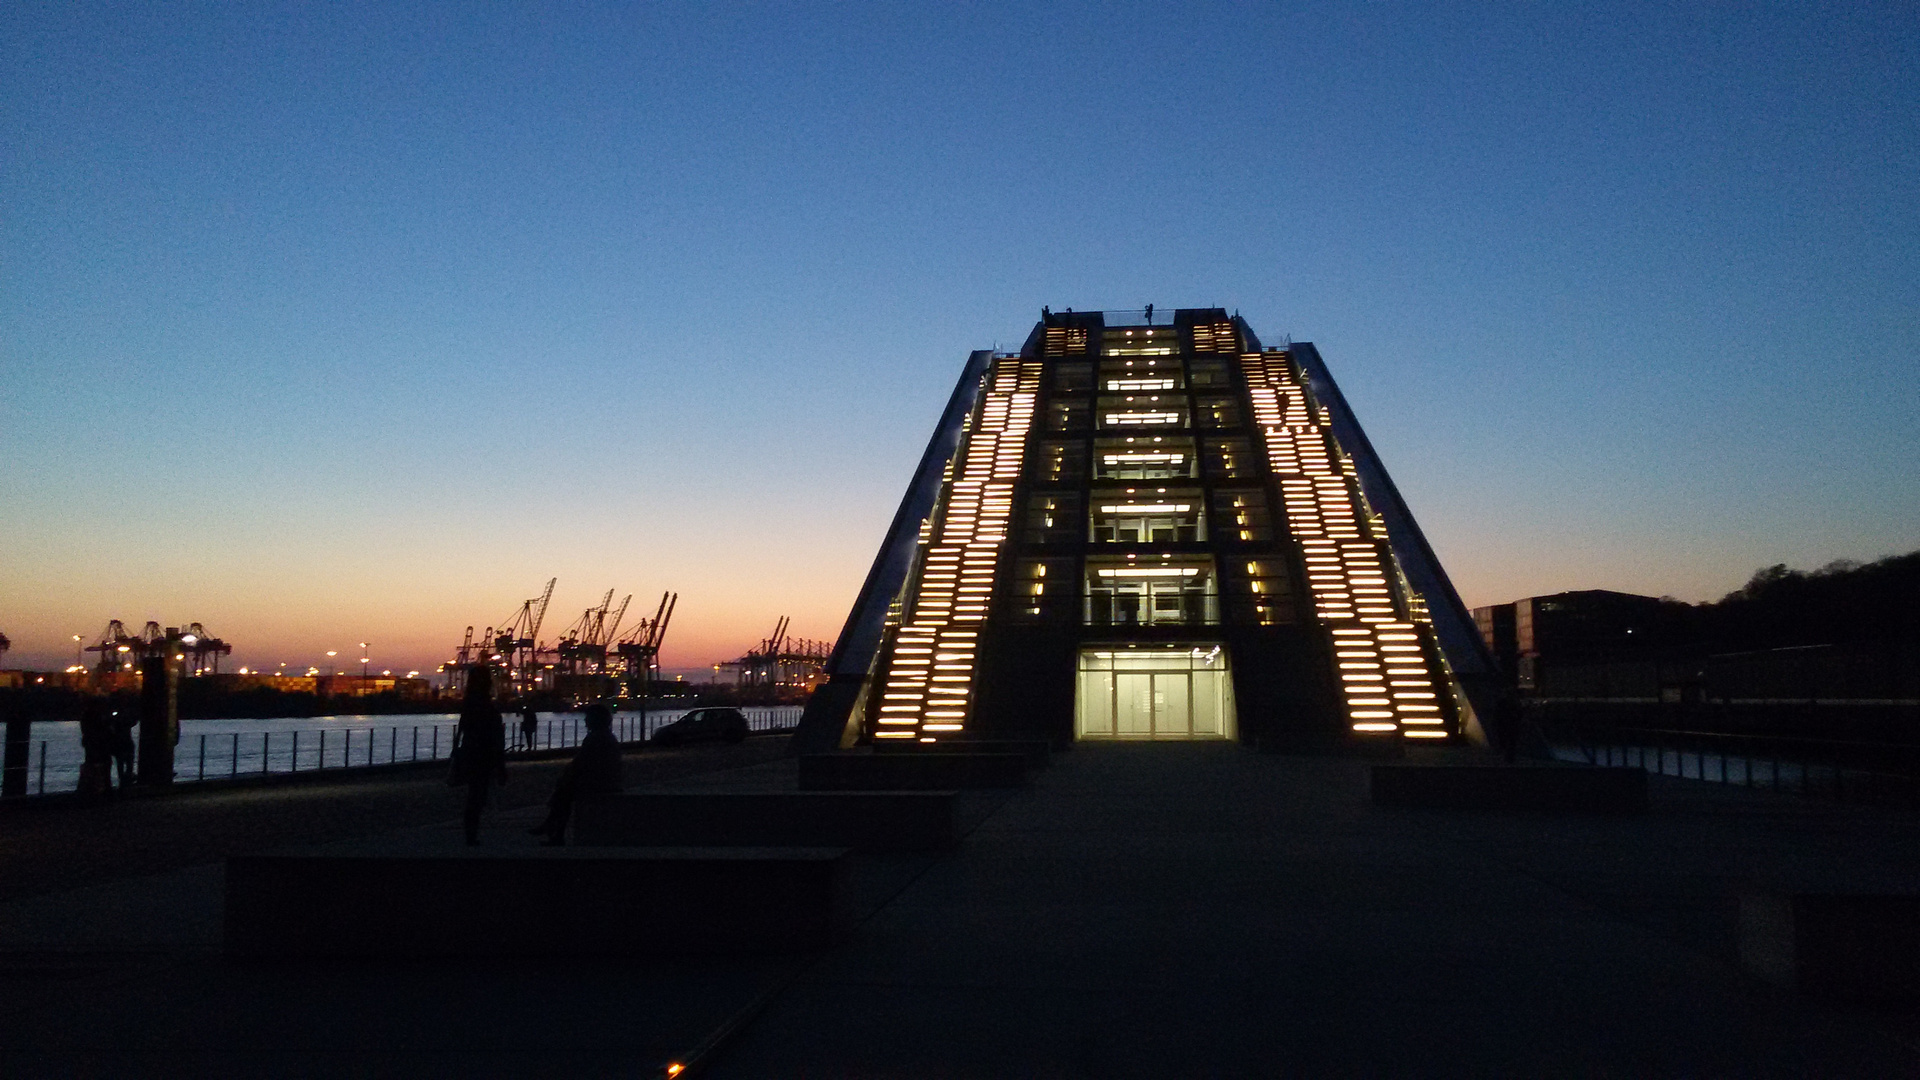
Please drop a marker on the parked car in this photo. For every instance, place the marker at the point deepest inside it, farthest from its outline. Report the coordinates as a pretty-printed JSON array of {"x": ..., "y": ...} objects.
[{"x": 703, "y": 725}]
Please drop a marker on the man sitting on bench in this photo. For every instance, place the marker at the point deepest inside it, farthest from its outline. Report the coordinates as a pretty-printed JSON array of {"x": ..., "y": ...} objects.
[{"x": 594, "y": 770}]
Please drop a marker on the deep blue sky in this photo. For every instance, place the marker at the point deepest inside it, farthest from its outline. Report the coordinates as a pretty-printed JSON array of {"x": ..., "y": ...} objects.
[{"x": 321, "y": 323}]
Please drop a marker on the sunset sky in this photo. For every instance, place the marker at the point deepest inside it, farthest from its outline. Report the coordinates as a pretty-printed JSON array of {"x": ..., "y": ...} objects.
[{"x": 323, "y": 324}]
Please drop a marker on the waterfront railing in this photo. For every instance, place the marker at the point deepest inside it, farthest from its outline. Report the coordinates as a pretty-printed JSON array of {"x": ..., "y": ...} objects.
[
  {"x": 228, "y": 756},
  {"x": 1841, "y": 770}
]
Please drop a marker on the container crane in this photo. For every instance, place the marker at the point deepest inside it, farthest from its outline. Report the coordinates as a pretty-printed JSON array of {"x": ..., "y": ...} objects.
[
  {"x": 581, "y": 650},
  {"x": 516, "y": 644},
  {"x": 639, "y": 649},
  {"x": 781, "y": 662}
]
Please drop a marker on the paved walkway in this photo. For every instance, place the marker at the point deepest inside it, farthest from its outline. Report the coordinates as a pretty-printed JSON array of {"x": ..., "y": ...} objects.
[
  {"x": 1198, "y": 910},
  {"x": 61, "y": 844},
  {"x": 1158, "y": 910}
]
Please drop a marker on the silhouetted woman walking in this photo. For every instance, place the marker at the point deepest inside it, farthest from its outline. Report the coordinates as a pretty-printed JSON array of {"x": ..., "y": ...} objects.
[{"x": 479, "y": 746}]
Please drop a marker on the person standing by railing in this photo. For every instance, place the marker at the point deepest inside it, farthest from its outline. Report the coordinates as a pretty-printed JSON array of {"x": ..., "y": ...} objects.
[
  {"x": 479, "y": 747},
  {"x": 529, "y": 726},
  {"x": 121, "y": 745},
  {"x": 96, "y": 749}
]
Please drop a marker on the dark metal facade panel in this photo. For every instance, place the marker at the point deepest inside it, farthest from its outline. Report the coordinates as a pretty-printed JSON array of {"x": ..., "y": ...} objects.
[
  {"x": 860, "y": 637},
  {"x": 859, "y": 641}
]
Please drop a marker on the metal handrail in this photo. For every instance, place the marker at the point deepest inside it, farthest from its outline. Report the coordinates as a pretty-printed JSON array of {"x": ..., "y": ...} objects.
[
  {"x": 1825, "y": 768},
  {"x": 1855, "y": 743},
  {"x": 560, "y": 733}
]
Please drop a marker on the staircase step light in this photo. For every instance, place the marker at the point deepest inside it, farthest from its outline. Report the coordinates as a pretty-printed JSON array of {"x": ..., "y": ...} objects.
[
  {"x": 1346, "y": 559},
  {"x": 961, "y": 556}
]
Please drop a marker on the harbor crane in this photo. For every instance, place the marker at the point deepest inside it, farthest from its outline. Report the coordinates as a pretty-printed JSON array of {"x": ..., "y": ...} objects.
[
  {"x": 122, "y": 650},
  {"x": 639, "y": 648},
  {"x": 781, "y": 662},
  {"x": 583, "y": 649},
  {"x": 513, "y": 648},
  {"x": 516, "y": 645}
]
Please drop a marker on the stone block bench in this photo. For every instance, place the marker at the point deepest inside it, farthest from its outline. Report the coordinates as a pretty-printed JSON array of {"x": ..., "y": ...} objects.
[
  {"x": 1572, "y": 789},
  {"x": 1038, "y": 752},
  {"x": 925, "y": 771},
  {"x": 861, "y": 820},
  {"x": 380, "y": 903},
  {"x": 1860, "y": 948}
]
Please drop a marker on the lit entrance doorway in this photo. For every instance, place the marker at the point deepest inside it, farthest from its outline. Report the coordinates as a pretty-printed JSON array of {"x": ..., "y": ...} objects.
[{"x": 1154, "y": 692}]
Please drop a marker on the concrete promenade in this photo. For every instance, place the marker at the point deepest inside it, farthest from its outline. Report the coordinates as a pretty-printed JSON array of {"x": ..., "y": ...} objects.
[{"x": 1138, "y": 910}]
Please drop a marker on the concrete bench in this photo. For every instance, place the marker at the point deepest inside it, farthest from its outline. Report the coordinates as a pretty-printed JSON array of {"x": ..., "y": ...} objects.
[
  {"x": 1038, "y": 752},
  {"x": 862, "y": 820},
  {"x": 1572, "y": 789},
  {"x": 535, "y": 902},
  {"x": 1861, "y": 948},
  {"x": 928, "y": 771}
]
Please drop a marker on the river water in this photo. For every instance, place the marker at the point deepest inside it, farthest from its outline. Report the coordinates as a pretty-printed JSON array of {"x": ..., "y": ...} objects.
[{"x": 218, "y": 749}]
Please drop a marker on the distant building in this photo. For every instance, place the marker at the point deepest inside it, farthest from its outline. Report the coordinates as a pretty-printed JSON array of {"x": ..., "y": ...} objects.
[
  {"x": 286, "y": 684},
  {"x": 1139, "y": 531},
  {"x": 336, "y": 686},
  {"x": 1496, "y": 625},
  {"x": 71, "y": 679},
  {"x": 1539, "y": 633}
]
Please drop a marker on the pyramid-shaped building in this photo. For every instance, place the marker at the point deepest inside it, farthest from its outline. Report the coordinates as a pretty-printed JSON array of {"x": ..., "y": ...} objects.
[{"x": 1133, "y": 530}]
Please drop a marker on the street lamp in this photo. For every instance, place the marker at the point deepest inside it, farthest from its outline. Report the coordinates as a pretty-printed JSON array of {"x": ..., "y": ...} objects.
[
  {"x": 76, "y": 652},
  {"x": 331, "y": 653},
  {"x": 363, "y": 669}
]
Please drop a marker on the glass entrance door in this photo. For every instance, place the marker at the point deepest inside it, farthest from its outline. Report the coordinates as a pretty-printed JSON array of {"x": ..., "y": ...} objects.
[
  {"x": 1158, "y": 692},
  {"x": 1133, "y": 705}
]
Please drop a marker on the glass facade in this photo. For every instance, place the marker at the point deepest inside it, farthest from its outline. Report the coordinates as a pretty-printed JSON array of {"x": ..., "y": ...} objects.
[
  {"x": 1152, "y": 457},
  {"x": 1176, "y": 691},
  {"x": 1155, "y": 592},
  {"x": 1156, "y": 515}
]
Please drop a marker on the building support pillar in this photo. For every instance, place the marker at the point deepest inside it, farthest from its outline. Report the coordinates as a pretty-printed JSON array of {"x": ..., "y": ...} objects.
[
  {"x": 19, "y": 748},
  {"x": 159, "y": 719}
]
